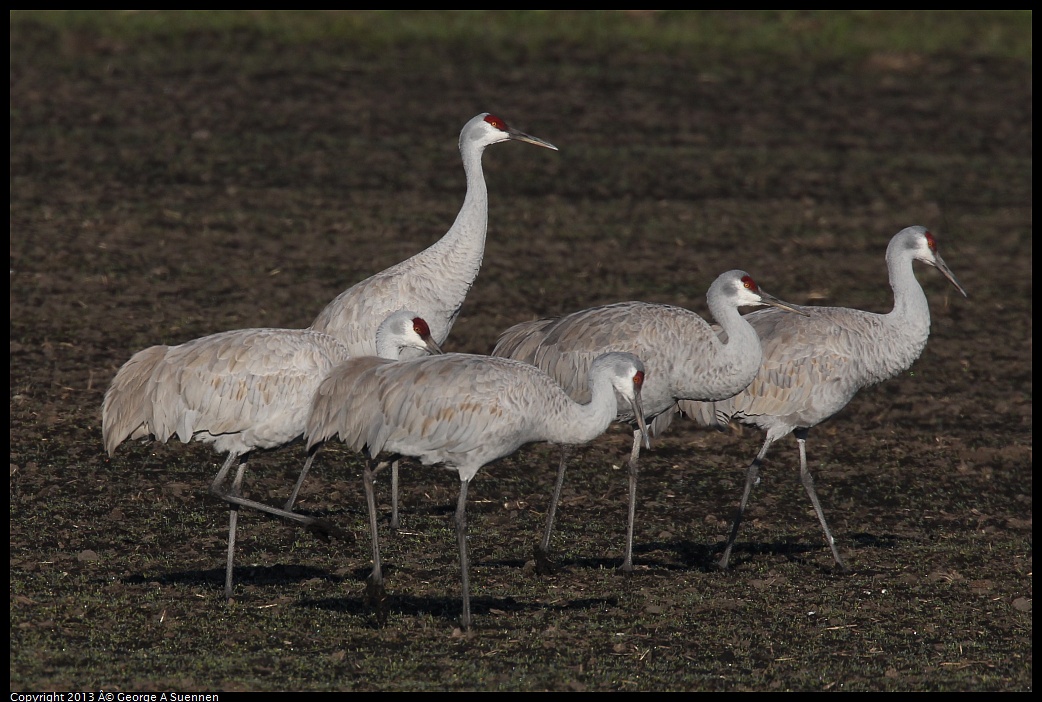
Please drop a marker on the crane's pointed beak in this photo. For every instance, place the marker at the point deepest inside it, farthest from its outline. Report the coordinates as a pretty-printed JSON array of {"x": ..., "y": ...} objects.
[
  {"x": 432, "y": 346},
  {"x": 940, "y": 265},
  {"x": 768, "y": 299},
  {"x": 638, "y": 411},
  {"x": 521, "y": 136}
]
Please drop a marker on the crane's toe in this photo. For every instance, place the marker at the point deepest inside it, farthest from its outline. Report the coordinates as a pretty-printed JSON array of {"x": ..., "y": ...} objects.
[
  {"x": 323, "y": 529},
  {"x": 376, "y": 598},
  {"x": 543, "y": 564}
]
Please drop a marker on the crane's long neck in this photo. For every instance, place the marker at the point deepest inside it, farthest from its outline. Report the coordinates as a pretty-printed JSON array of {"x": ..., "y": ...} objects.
[
  {"x": 460, "y": 251},
  {"x": 433, "y": 283},
  {"x": 911, "y": 308},
  {"x": 908, "y": 323},
  {"x": 573, "y": 423},
  {"x": 733, "y": 364}
]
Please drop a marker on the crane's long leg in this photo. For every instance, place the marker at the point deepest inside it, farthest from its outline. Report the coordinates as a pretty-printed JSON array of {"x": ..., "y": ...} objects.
[
  {"x": 543, "y": 564},
  {"x": 464, "y": 563},
  {"x": 300, "y": 481},
  {"x": 233, "y": 523},
  {"x": 223, "y": 473},
  {"x": 752, "y": 477},
  {"x": 627, "y": 563},
  {"x": 394, "y": 497},
  {"x": 369, "y": 477},
  {"x": 260, "y": 506},
  {"x": 375, "y": 591},
  {"x": 233, "y": 497},
  {"x": 808, "y": 483}
]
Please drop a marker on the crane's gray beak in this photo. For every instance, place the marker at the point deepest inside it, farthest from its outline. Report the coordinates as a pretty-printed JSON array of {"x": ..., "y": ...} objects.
[
  {"x": 768, "y": 299},
  {"x": 638, "y": 411},
  {"x": 521, "y": 136},
  {"x": 940, "y": 265},
  {"x": 432, "y": 346}
]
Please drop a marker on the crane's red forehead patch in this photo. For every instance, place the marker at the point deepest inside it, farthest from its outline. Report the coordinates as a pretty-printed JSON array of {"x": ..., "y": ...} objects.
[
  {"x": 638, "y": 378},
  {"x": 930, "y": 241},
  {"x": 749, "y": 283},
  {"x": 496, "y": 122},
  {"x": 419, "y": 325}
]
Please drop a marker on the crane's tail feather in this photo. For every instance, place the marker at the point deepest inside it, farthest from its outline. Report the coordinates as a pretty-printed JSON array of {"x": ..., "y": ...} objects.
[
  {"x": 705, "y": 414},
  {"x": 126, "y": 411}
]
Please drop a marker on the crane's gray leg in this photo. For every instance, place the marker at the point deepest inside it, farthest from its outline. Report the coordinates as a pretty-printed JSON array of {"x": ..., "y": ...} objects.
[
  {"x": 223, "y": 473},
  {"x": 368, "y": 476},
  {"x": 808, "y": 483},
  {"x": 543, "y": 564},
  {"x": 233, "y": 523},
  {"x": 376, "y": 593},
  {"x": 464, "y": 563},
  {"x": 627, "y": 563},
  {"x": 233, "y": 497},
  {"x": 321, "y": 524},
  {"x": 300, "y": 481},
  {"x": 394, "y": 497},
  {"x": 752, "y": 477}
]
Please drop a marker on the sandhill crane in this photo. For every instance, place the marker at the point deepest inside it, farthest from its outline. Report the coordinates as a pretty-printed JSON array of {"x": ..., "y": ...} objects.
[
  {"x": 401, "y": 331},
  {"x": 684, "y": 358},
  {"x": 464, "y": 411},
  {"x": 242, "y": 391},
  {"x": 434, "y": 282},
  {"x": 814, "y": 364}
]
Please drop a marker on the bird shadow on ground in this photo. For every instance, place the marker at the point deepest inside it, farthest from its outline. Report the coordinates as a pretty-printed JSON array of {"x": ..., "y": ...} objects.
[
  {"x": 277, "y": 575},
  {"x": 753, "y": 552},
  {"x": 691, "y": 555},
  {"x": 877, "y": 541},
  {"x": 449, "y": 607},
  {"x": 645, "y": 565}
]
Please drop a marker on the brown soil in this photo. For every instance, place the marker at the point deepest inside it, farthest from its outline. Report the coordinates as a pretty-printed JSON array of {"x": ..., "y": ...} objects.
[{"x": 164, "y": 193}]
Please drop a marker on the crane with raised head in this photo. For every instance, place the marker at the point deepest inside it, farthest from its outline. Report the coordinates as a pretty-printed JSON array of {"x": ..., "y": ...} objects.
[
  {"x": 463, "y": 411},
  {"x": 435, "y": 281},
  {"x": 242, "y": 391},
  {"x": 815, "y": 362},
  {"x": 684, "y": 358}
]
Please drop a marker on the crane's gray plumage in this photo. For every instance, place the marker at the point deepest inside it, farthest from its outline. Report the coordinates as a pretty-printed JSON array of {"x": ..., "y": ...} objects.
[
  {"x": 684, "y": 357},
  {"x": 463, "y": 411},
  {"x": 242, "y": 391},
  {"x": 398, "y": 334},
  {"x": 814, "y": 363},
  {"x": 239, "y": 390},
  {"x": 434, "y": 282}
]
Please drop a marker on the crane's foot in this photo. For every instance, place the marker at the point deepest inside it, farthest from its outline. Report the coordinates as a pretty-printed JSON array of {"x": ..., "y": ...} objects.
[
  {"x": 376, "y": 597},
  {"x": 323, "y": 529},
  {"x": 543, "y": 564}
]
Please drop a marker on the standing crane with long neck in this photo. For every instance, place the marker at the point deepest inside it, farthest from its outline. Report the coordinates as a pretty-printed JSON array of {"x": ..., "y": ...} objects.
[
  {"x": 685, "y": 360},
  {"x": 463, "y": 411},
  {"x": 814, "y": 363},
  {"x": 434, "y": 282},
  {"x": 243, "y": 391}
]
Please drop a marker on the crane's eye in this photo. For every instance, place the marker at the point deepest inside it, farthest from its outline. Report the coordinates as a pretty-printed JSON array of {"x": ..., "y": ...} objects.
[
  {"x": 496, "y": 122},
  {"x": 638, "y": 378},
  {"x": 749, "y": 283}
]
